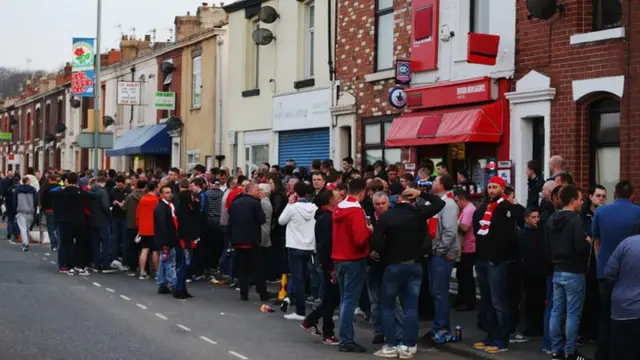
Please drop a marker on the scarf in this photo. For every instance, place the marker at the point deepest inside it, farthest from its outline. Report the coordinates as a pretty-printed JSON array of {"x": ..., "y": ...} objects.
[
  {"x": 432, "y": 223},
  {"x": 488, "y": 214},
  {"x": 173, "y": 213}
]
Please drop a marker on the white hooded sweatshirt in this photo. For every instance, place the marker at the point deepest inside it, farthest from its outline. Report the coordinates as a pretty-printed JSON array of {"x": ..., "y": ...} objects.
[{"x": 300, "y": 220}]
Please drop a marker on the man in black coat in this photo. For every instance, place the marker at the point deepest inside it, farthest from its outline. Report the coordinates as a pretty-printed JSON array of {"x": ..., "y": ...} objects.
[
  {"x": 165, "y": 225},
  {"x": 100, "y": 217},
  {"x": 245, "y": 220},
  {"x": 188, "y": 225}
]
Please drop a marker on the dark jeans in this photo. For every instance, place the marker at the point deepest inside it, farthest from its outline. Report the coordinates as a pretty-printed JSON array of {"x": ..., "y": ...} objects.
[
  {"x": 12, "y": 227},
  {"x": 494, "y": 299},
  {"x": 439, "y": 277},
  {"x": 119, "y": 235},
  {"x": 604, "y": 330},
  {"x": 535, "y": 292},
  {"x": 278, "y": 254},
  {"x": 624, "y": 339},
  {"x": 183, "y": 260},
  {"x": 546, "y": 336},
  {"x": 330, "y": 302},
  {"x": 351, "y": 277},
  {"x": 73, "y": 246},
  {"x": 52, "y": 229},
  {"x": 515, "y": 294},
  {"x": 131, "y": 249},
  {"x": 591, "y": 310},
  {"x": 249, "y": 266},
  {"x": 216, "y": 238},
  {"x": 466, "y": 281},
  {"x": 101, "y": 247},
  {"x": 401, "y": 280},
  {"x": 298, "y": 264}
]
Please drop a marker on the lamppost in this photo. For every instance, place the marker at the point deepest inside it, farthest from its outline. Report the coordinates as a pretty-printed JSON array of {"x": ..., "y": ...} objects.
[{"x": 97, "y": 92}]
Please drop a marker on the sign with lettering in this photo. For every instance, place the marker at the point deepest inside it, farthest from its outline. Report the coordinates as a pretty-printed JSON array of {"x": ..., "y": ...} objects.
[
  {"x": 165, "y": 100},
  {"x": 452, "y": 93},
  {"x": 128, "y": 93},
  {"x": 302, "y": 110},
  {"x": 403, "y": 72}
]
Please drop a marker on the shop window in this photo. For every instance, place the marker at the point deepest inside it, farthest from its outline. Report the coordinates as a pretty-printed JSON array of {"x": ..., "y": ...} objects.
[
  {"x": 255, "y": 155},
  {"x": 197, "y": 82},
  {"x": 479, "y": 17},
  {"x": 384, "y": 34},
  {"x": 605, "y": 143},
  {"x": 375, "y": 134},
  {"x": 309, "y": 39},
  {"x": 252, "y": 58},
  {"x": 606, "y": 14}
]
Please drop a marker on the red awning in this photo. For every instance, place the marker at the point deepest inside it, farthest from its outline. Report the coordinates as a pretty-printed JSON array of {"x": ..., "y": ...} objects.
[{"x": 448, "y": 126}]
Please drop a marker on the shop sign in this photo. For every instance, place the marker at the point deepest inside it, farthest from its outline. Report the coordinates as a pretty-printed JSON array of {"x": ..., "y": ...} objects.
[
  {"x": 165, "y": 100},
  {"x": 452, "y": 93},
  {"x": 6, "y": 136},
  {"x": 397, "y": 98},
  {"x": 303, "y": 110},
  {"x": 128, "y": 93},
  {"x": 403, "y": 72}
]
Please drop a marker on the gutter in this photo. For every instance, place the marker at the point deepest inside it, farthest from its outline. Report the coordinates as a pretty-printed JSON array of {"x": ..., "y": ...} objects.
[{"x": 219, "y": 154}]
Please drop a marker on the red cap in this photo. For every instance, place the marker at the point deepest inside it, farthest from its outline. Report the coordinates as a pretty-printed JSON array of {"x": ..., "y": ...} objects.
[{"x": 498, "y": 181}]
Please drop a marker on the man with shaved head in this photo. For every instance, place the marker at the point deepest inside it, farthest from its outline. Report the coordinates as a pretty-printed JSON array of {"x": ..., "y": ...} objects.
[{"x": 556, "y": 166}]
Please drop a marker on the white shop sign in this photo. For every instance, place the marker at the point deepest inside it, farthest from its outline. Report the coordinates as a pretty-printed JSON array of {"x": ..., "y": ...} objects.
[
  {"x": 303, "y": 110},
  {"x": 128, "y": 93}
]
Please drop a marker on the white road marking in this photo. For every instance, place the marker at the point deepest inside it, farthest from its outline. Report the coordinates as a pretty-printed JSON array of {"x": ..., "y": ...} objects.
[
  {"x": 53, "y": 262},
  {"x": 162, "y": 316},
  {"x": 208, "y": 340},
  {"x": 97, "y": 284},
  {"x": 44, "y": 258},
  {"x": 221, "y": 313},
  {"x": 183, "y": 327},
  {"x": 240, "y": 356},
  {"x": 46, "y": 254},
  {"x": 141, "y": 306},
  {"x": 110, "y": 290},
  {"x": 125, "y": 297}
]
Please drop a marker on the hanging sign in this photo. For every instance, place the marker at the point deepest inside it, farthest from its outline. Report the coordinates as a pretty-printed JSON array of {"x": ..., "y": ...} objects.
[
  {"x": 397, "y": 98},
  {"x": 128, "y": 93},
  {"x": 83, "y": 54},
  {"x": 403, "y": 72}
]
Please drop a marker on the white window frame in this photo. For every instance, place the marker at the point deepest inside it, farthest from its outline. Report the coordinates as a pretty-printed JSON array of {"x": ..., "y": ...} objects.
[
  {"x": 252, "y": 72},
  {"x": 309, "y": 16},
  {"x": 480, "y": 10},
  {"x": 379, "y": 13},
  {"x": 250, "y": 163},
  {"x": 196, "y": 93}
]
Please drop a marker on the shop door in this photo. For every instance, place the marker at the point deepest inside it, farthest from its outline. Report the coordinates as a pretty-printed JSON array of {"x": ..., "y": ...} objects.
[
  {"x": 303, "y": 146},
  {"x": 538, "y": 141}
]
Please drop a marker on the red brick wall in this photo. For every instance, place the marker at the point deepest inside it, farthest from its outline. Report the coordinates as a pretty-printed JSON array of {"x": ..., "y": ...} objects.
[
  {"x": 355, "y": 54},
  {"x": 176, "y": 78},
  {"x": 544, "y": 46}
]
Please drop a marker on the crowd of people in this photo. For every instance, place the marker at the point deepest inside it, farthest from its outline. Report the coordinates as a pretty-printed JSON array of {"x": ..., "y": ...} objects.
[{"x": 381, "y": 242}]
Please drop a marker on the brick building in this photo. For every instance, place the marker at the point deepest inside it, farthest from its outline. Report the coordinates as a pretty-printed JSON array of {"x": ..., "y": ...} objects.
[{"x": 577, "y": 90}]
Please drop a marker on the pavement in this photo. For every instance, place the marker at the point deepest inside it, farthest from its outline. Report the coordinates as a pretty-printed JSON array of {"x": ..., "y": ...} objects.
[{"x": 49, "y": 316}]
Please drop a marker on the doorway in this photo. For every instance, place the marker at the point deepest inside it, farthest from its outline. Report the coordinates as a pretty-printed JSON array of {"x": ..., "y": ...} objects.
[{"x": 537, "y": 140}]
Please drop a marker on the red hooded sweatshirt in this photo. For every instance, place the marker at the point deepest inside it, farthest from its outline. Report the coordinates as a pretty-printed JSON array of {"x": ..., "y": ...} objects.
[{"x": 350, "y": 232}]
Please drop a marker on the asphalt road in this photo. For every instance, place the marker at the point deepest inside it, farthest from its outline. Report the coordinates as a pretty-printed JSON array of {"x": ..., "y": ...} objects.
[{"x": 45, "y": 315}]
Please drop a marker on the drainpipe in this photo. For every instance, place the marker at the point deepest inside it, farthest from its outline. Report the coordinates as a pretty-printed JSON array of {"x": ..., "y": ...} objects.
[{"x": 219, "y": 154}]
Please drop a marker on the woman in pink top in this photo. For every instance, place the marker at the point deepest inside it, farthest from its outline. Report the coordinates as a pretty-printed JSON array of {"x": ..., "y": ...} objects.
[{"x": 466, "y": 300}]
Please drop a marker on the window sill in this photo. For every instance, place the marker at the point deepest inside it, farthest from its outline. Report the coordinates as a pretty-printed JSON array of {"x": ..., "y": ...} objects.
[
  {"x": 250, "y": 93},
  {"x": 380, "y": 75},
  {"x": 595, "y": 36},
  {"x": 195, "y": 108},
  {"x": 304, "y": 83}
]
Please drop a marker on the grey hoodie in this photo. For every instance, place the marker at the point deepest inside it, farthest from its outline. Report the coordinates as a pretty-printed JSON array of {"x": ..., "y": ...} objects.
[
  {"x": 300, "y": 220},
  {"x": 446, "y": 241}
]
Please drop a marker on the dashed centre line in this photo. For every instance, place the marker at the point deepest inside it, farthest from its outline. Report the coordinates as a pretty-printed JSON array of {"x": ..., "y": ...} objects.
[
  {"x": 238, "y": 355},
  {"x": 97, "y": 284},
  {"x": 125, "y": 297},
  {"x": 161, "y": 316},
  {"x": 110, "y": 290},
  {"x": 183, "y": 327},
  {"x": 53, "y": 262},
  {"x": 208, "y": 340},
  {"x": 141, "y": 306}
]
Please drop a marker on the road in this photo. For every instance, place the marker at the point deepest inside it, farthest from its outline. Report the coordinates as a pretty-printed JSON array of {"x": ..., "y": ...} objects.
[{"x": 49, "y": 316}]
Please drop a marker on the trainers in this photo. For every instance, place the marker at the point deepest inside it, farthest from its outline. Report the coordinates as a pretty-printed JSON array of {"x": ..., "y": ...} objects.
[
  {"x": 54, "y": 249},
  {"x": 442, "y": 337},
  {"x": 547, "y": 351},
  {"x": 496, "y": 347},
  {"x": 331, "y": 340},
  {"x": 285, "y": 305},
  {"x": 71, "y": 272},
  {"x": 359, "y": 312},
  {"x": 144, "y": 276},
  {"x": 558, "y": 355},
  {"x": 407, "y": 352},
  {"x": 109, "y": 271},
  {"x": 387, "y": 352},
  {"x": 518, "y": 338},
  {"x": 63, "y": 270},
  {"x": 131, "y": 273},
  {"x": 25, "y": 248},
  {"x": 84, "y": 272},
  {"x": 115, "y": 264},
  {"x": 311, "y": 329},
  {"x": 577, "y": 356},
  {"x": 352, "y": 347},
  {"x": 294, "y": 316},
  {"x": 481, "y": 345}
]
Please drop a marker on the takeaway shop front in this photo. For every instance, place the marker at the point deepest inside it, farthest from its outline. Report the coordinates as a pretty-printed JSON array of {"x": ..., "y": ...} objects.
[{"x": 464, "y": 124}]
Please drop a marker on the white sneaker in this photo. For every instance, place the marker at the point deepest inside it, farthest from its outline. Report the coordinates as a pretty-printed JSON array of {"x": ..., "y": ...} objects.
[
  {"x": 387, "y": 352},
  {"x": 84, "y": 272},
  {"x": 359, "y": 312},
  {"x": 294, "y": 316},
  {"x": 115, "y": 264},
  {"x": 406, "y": 352}
]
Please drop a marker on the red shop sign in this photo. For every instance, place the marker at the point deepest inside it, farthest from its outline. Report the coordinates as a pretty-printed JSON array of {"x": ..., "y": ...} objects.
[{"x": 451, "y": 93}]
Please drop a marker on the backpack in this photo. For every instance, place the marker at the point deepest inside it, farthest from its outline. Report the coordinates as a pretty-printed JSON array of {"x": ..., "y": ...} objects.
[{"x": 214, "y": 203}]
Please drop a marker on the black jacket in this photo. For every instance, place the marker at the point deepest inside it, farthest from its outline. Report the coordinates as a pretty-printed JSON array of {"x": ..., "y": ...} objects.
[
  {"x": 165, "y": 232},
  {"x": 532, "y": 251},
  {"x": 188, "y": 217},
  {"x": 245, "y": 219},
  {"x": 99, "y": 209},
  {"x": 46, "y": 196},
  {"x": 118, "y": 195},
  {"x": 546, "y": 210},
  {"x": 69, "y": 205},
  {"x": 324, "y": 242},
  {"x": 400, "y": 233},
  {"x": 535, "y": 187},
  {"x": 567, "y": 246},
  {"x": 501, "y": 243}
]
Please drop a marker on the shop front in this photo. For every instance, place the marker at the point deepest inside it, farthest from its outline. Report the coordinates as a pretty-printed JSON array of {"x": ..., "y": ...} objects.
[
  {"x": 463, "y": 124},
  {"x": 144, "y": 147},
  {"x": 303, "y": 121}
]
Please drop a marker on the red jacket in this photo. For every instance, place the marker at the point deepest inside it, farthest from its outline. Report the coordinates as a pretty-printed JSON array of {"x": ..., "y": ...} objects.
[
  {"x": 144, "y": 214},
  {"x": 350, "y": 232},
  {"x": 232, "y": 195}
]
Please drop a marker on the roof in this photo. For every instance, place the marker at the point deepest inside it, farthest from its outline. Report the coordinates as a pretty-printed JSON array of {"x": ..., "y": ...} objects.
[{"x": 241, "y": 5}]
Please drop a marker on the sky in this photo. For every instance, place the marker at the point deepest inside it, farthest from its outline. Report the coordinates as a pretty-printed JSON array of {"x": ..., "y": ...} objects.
[{"x": 36, "y": 34}]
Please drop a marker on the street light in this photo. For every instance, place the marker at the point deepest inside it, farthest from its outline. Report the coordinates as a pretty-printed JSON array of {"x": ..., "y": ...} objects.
[{"x": 97, "y": 92}]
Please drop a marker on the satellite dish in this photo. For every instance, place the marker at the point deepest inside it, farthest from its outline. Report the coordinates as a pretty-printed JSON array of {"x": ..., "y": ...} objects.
[
  {"x": 174, "y": 123},
  {"x": 611, "y": 12},
  {"x": 542, "y": 9},
  {"x": 167, "y": 67},
  {"x": 107, "y": 121},
  {"x": 60, "y": 128},
  {"x": 268, "y": 14},
  {"x": 75, "y": 103},
  {"x": 262, "y": 36}
]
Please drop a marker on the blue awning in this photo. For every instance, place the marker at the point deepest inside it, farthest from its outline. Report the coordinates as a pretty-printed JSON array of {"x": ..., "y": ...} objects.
[{"x": 151, "y": 139}]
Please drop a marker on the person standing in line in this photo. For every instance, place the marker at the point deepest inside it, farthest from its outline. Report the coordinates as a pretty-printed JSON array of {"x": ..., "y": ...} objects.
[
  {"x": 265, "y": 244},
  {"x": 198, "y": 186},
  {"x": 532, "y": 256},
  {"x": 466, "y": 299},
  {"x": 351, "y": 235},
  {"x": 145, "y": 225},
  {"x": 611, "y": 224},
  {"x": 623, "y": 272},
  {"x": 25, "y": 202},
  {"x": 188, "y": 220},
  {"x": 165, "y": 226},
  {"x": 117, "y": 195},
  {"x": 46, "y": 204},
  {"x": 213, "y": 233},
  {"x": 535, "y": 181},
  {"x": 33, "y": 180},
  {"x": 100, "y": 232},
  {"x": 556, "y": 167},
  {"x": 130, "y": 206},
  {"x": 69, "y": 205},
  {"x": 226, "y": 259}
]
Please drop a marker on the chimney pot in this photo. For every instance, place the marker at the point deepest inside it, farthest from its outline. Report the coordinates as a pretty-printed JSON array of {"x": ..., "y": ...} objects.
[
  {"x": 188, "y": 13},
  {"x": 205, "y": 4},
  {"x": 147, "y": 38}
]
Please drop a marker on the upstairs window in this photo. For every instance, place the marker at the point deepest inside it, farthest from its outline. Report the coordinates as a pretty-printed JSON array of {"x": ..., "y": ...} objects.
[
  {"x": 384, "y": 35},
  {"x": 479, "y": 17},
  {"x": 197, "y": 82},
  {"x": 252, "y": 58},
  {"x": 309, "y": 40},
  {"x": 606, "y": 14},
  {"x": 604, "y": 117}
]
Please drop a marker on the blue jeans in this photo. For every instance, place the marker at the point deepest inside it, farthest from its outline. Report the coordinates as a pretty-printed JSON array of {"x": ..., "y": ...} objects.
[
  {"x": 12, "y": 227},
  {"x": 402, "y": 280},
  {"x": 183, "y": 260},
  {"x": 299, "y": 266},
  {"x": 374, "y": 287},
  {"x": 351, "y": 276},
  {"x": 568, "y": 294},
  {"x": 52, "y": 229},
  {"x": 101, "y": 247},
  {"x": 494, "y": 299},
  {"x": 546, "y": 340},
  {"x": 317, "y": 279},
  {"x": 119, "y": 232},
  {"x": 167, "y": 270},
  {"x": 439, "y": 278}
]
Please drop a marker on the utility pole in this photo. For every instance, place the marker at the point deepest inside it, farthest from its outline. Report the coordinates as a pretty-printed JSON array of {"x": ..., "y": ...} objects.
[{"x": 97, "y": 90}]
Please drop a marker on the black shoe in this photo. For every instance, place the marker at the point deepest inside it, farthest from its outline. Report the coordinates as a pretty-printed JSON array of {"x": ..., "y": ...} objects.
[
  {"x": 285, "y": 305},
  {"x": 180, "y": 295},
  {"x": 244, "y": 297},
  {"x": 164, "y": 290},
  {"x": 378, "y": 339},
  {"x": 353, "y": 347},
  {"x": 189, "y": 296},
  {"x": 558, "y": 355},
  {"x": 428, "y": 337},
  {"x": 577, "y": 356}
]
